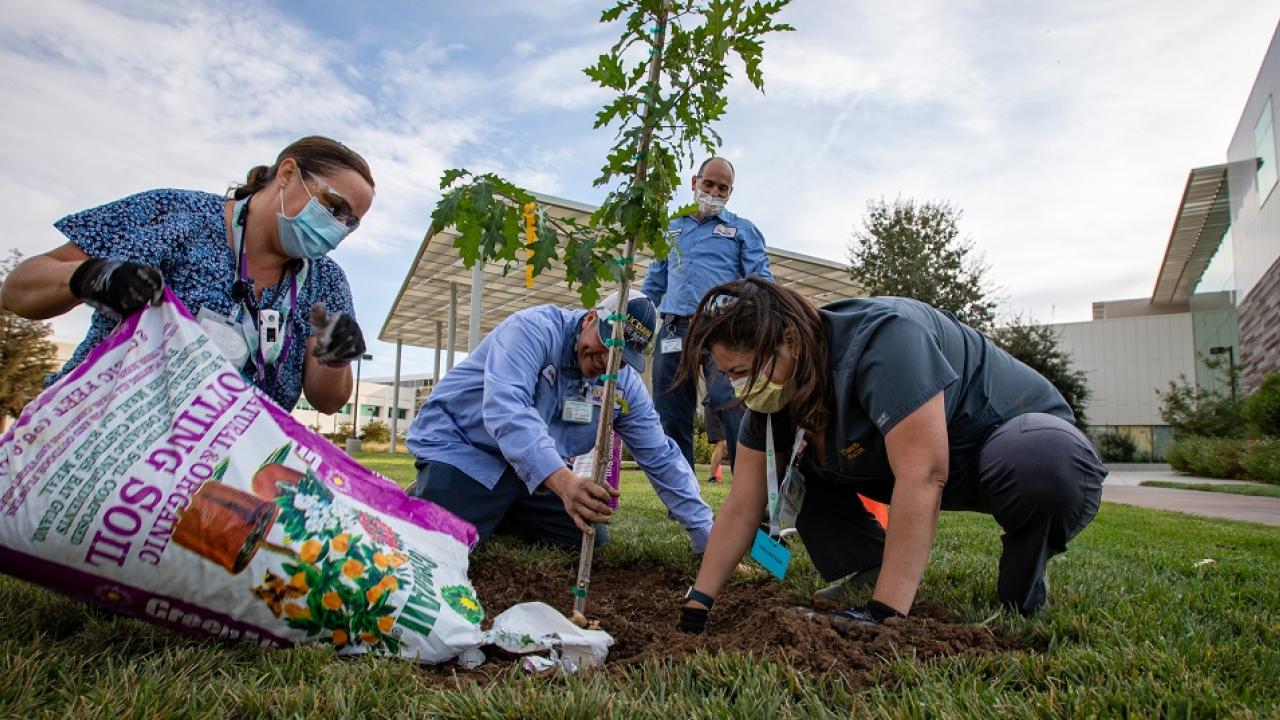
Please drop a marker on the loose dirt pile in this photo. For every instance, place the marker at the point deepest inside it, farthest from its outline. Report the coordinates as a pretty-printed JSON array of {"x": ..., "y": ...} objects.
[{"x": 639, "y": 606}]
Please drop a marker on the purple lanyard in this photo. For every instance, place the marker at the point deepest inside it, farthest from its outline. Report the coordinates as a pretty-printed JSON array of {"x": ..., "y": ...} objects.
[{"x": 243, "y": 291}]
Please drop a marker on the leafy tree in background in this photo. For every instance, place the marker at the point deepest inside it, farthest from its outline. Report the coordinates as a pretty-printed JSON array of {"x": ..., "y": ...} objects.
[
  {"x": 26, "y": 354},
  {"x": 915, "y": 250},
  {"x": 1192, "y": 410},
  {"x": 1038, "y": 347}
]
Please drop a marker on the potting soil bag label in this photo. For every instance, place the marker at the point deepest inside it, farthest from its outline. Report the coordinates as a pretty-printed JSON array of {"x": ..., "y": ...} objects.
[{"x": 155, "y": 481}]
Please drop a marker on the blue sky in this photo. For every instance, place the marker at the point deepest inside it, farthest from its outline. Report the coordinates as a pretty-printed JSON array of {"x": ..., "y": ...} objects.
[{"x": 1063, "y": 130}]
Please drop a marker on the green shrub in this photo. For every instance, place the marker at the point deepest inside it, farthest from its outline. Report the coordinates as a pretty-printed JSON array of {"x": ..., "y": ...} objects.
[
  {"x": 1262, "y": 408},
  {"x": 1193, "y": 410},
  {"x": 1178, "y": 455},
  {"x": 339, "y": 437},
  {"x": 701, "y": 446},
  {"x": 1261, "y": 460},
  {"x": 1208, "y": 456},
  {"x": 1117, "y": 447},
  {"x": 375, "y": 431}
]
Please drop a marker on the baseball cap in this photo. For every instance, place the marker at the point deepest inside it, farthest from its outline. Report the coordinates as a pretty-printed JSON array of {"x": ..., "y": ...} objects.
[{"x": 637, "y": 334}]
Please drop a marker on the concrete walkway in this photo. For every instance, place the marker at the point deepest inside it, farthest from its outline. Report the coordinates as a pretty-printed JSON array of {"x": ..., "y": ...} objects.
[{"x": 1124, "y": 487}]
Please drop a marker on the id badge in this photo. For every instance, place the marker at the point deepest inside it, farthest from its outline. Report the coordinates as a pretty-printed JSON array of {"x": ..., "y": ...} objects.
[
  {"x": 791, "y": 497},
  {"x": 269, "y": 333},
  {"x": 771, "y": 554},
  {"x": 577, "y": 411},
  {"x": 672, "y": 345}
]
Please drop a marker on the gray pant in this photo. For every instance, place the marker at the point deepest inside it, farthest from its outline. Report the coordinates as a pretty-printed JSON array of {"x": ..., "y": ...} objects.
[
  {"x": 507, "y": 508},
  {"x": 1037, "y": 474}
]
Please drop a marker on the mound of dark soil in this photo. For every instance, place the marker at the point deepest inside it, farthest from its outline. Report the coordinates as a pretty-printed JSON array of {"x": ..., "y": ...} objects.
[{"x": 639, "y": 606}]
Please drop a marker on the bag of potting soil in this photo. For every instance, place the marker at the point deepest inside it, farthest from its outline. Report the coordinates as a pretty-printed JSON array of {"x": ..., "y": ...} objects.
[
  {"x": 155, "y": 481},
  {"x": 584, "y": 465}
]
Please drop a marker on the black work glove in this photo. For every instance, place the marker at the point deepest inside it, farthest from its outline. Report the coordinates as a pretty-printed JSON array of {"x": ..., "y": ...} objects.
[
  {"x": 693, "y": 620},
  {"x": 869, "y": 615},
  {"x": 338, "y": 337},
  {"x": 116, "y": 287}
]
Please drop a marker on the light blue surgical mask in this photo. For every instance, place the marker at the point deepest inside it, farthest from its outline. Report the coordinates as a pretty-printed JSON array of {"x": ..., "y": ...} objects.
[{"x": 312, "y": 233}]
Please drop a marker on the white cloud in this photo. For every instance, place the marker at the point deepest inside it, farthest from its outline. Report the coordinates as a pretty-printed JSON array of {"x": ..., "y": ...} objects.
[
  {"x": 1065, "y": 132},
  {"x": 555, "y": 81},
  {"x": 118, "y": 99}
]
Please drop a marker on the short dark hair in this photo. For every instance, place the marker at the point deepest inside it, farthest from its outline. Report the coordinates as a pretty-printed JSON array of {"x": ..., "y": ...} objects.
[{"x": 703, "y": 166}]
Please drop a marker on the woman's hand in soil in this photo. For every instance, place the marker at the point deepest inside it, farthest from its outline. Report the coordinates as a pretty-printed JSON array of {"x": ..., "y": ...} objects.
[
  {"x": 693, "y": 619},
  {"x": 586, "y": 502}
]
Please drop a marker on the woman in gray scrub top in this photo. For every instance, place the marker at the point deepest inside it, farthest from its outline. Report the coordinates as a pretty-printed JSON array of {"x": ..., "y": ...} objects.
[{"x": 900, "y": 402}]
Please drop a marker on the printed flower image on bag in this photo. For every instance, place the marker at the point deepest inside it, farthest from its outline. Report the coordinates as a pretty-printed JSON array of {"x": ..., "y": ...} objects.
[{"x": 155, "y": 481}]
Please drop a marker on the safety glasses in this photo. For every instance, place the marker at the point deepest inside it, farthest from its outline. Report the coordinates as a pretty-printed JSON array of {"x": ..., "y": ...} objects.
[
  {"x": 720, "y": 303},
  {"x": 333, "y": 201}
]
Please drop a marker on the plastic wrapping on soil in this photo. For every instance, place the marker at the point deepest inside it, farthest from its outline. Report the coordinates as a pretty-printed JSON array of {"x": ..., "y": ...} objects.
[
  {"x": 156, "y": 482},
  {"x": 537, "y": 627}
]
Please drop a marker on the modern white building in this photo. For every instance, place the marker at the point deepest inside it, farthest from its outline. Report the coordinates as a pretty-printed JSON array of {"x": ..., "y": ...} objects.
[
  {"x": 377, "y": 402},
  {"x": 1126, "y": 360},
  {"x": 1217, "y": 291}
]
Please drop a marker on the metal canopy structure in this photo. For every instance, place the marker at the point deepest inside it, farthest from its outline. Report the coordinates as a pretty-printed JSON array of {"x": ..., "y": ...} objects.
[
  {"x": 1203, "y": 218},
  {"x": 439, "y": 294}
]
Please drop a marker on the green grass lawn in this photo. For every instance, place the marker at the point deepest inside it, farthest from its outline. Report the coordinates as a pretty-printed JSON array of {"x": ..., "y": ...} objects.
[
  {"x": 1135, "y": 626},
  {"x": 1233, "y": 488}
]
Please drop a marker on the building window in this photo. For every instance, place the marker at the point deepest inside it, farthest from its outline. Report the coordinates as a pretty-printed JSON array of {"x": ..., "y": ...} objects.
[
  {"x": 369, "y": 410},
  {"x": 346, "y": 409},
  {"x": 1264, "y": 147},
  {"x": 304, "y": 405},
  {"x": 400, "y": 413}
]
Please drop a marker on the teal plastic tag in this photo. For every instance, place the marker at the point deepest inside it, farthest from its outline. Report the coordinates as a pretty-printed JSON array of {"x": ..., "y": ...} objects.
[{"x": 770, "y": 553}]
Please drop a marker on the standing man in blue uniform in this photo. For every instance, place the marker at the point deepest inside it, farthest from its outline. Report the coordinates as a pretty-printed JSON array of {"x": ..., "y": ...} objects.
[
  {"x": 492, "y": 439},
  {"x": 709, "y": 247}
]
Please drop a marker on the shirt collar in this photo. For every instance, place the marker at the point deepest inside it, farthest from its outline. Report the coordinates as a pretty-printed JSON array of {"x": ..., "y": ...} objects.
[
  {"x": 723, "y": 215},
  {"x": 569, "y": 354}
]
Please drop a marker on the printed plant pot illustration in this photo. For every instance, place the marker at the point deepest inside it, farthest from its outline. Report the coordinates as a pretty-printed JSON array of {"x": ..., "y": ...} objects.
[
  {"x": 227, "y": 526},
  {"x": 269, "y": 478}
]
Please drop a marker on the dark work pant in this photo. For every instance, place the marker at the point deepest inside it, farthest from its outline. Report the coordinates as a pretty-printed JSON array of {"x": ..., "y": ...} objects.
[
  {"x": 507, "y": 508},
  {"x": 1037, "y": 474},
  {"x": 676, "y": 405}
]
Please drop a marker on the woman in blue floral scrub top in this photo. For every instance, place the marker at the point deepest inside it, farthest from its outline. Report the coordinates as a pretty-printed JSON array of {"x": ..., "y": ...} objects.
[{"x": 254, "y": 262}]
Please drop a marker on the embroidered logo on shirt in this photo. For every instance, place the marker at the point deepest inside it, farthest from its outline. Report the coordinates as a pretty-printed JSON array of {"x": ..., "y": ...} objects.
[
  {"x": 597, "y": 397},
  {"x": 853, "y": 451},
  {"x": 884, "y": 418},
  {"x": 725, "y": 231}
]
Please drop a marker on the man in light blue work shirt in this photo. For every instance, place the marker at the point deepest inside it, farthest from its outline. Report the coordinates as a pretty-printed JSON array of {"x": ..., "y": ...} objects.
[
  {"x": 709, "y": 247},
  {"x": 492, "y": 440}
]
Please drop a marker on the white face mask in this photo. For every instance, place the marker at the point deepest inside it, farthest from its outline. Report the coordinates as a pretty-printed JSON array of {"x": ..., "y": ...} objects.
[{"x": 709, "y": 204}]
